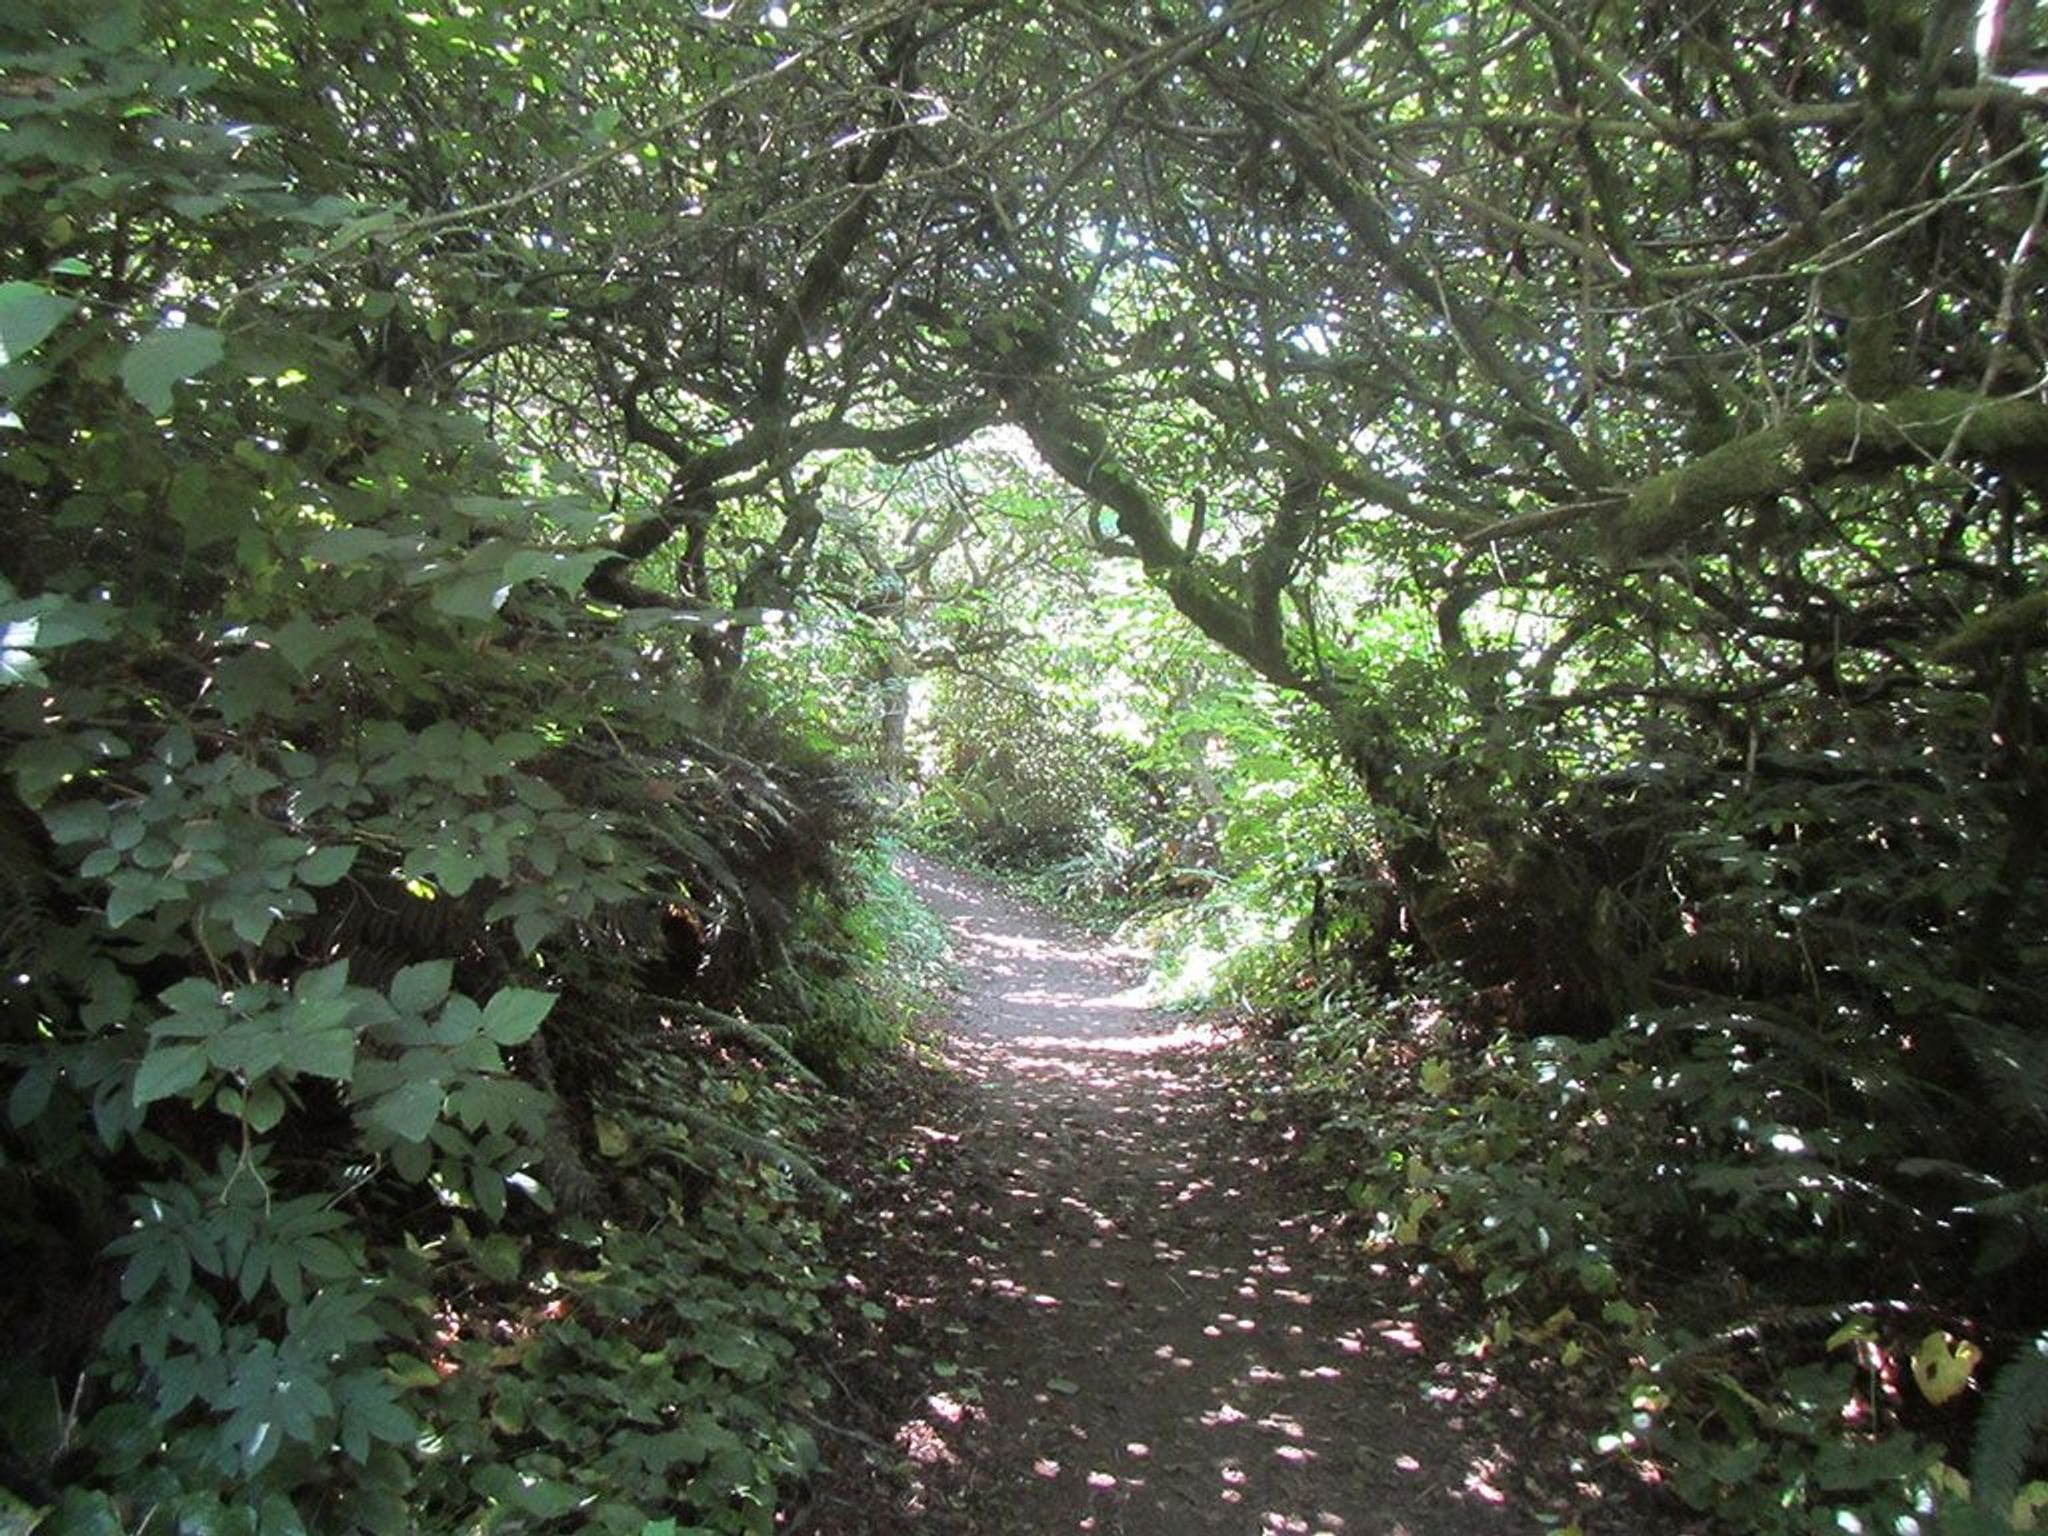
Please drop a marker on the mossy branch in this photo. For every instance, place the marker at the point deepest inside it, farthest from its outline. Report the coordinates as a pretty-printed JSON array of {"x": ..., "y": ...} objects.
[
  {"x": 2017, "y": 622},
  {"x": 1840, "y": 438}
]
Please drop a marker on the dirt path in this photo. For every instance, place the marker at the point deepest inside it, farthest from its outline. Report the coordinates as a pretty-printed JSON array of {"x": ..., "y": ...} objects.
[{"x": 1126, "y": 1323}]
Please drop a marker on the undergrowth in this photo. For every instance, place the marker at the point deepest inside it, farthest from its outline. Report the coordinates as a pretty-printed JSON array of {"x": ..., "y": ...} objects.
[
  {"x": 1674, "y": 1222},
  {"x": 482, "y": 1359},
  {"x": 858, "y": 970}
]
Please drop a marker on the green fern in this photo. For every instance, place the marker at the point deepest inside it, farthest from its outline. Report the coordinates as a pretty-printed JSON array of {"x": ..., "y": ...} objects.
[{"x": 2014, "y": 1414}]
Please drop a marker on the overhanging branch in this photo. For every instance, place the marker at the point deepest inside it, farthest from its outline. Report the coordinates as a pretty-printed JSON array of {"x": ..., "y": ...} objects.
[{"x": 1843, "y": 437}]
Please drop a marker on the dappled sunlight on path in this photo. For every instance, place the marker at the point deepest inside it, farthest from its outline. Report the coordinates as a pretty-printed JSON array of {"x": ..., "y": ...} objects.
[{"x": 1146, "y": 1313}]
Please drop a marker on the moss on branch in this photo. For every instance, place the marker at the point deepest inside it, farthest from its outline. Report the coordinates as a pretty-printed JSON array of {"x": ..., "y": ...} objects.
[
  {"x": 1842, "y": 437},
  {"x": 2020, "y": 621}
]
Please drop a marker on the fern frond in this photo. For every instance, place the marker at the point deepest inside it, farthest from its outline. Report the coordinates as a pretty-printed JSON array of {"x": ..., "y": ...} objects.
[
  {"x": 2014, "y": 1414},
  {"x": 2013, "y": 1066}
]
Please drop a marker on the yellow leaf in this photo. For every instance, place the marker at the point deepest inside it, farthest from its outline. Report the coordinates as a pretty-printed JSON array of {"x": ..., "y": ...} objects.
[
  {"x": 1945, "y": 1479},
  {"x": 1410, "y": 1228},
  {"x": 2029, "y": 1506},
  {"x": 1942, "y": 1365},
  {"x": 612, "y": 1140}
]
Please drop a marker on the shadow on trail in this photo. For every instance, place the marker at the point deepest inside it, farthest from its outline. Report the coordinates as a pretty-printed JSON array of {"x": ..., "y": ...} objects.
[{"x": 1146, "y": 1337}]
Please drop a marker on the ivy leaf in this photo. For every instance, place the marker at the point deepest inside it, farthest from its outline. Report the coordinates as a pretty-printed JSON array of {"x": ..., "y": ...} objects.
[
  {"x": 28, "y": 313},
  {"x": 168, "y": 357},
  {"x": 514, "y": 1013}
]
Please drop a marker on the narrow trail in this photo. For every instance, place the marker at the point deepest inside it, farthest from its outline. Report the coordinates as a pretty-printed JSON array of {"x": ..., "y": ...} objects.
[{"x": 1133, "y": 1328}]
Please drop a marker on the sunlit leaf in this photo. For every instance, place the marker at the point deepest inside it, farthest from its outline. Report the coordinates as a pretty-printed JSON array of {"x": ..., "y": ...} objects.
[{"x": 1943, "y": 1364}]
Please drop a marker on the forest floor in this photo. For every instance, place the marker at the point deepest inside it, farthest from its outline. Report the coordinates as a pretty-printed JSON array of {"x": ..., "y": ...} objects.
[{"x": 1085, "y": 1294}]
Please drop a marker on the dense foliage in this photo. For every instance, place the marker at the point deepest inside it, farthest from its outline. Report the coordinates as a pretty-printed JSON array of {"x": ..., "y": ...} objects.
[
  {"x": 413, "y": 965},
  {"x": 1533, "y": 517}
]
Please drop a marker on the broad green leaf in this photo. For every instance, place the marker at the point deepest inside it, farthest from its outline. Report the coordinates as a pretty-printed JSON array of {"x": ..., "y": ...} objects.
[
  {"x": 323, "y": 1053},
  {"x": 408, "y": 1111},
  {"x": 263, "y": 1108},
  {"x": 420, "y": 987},
  {"x": 324, "y": 985},
  {"x": 31, "y": 1093},
  {"x": 194, "y": 994},
  {"x": 28, "y": 314},
  {"x": 326, "y": 866},
  {"x": 500, "y": 1256},
  {"x": 473, "y": 597},
  {"x": 514, "y": 1013},
  {"x": 131, "y": 898},
  {"x": 168, "y": 357},
  {"x": 346, "y": 546},
  {"x": 76, "y": 823},
  {"x": 560, "y": 569},
  {"x": 168, "y": 1071},
  {"x": 456, "y": 869}
]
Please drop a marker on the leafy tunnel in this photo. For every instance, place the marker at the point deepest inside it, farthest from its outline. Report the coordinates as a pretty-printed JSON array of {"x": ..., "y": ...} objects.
[{"x": 1507, "y": 537}]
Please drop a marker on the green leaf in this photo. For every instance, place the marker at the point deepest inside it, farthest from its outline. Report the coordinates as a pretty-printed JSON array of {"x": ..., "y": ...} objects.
[
  {"x": 473, "y": 597},
  {"x": 28, "y": 314},
  {"x": 408, "y": 1111},
  {"x": 324, "y": 985},
  {"x": 167, "y": 357},
  {"x": 347, "y": 546},
  {"x": 1943, "y": 1364},
  {"x": 370, "y": 1411},
  {"x": 264, "y": 1108},
  {"x": 167, "y": 1071},
  {"x": 514, "y": 1013},
  {"x": 323, "y": 1053},
  {"x": 326, "y": 866},
  {"x": 557, "y": 568},
  {"x": 76, "y": 823},
  {"x": 500, "y": 1256},
  {"x": 419, "y": 987},
  {"x": 31, "y": 1093}
]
